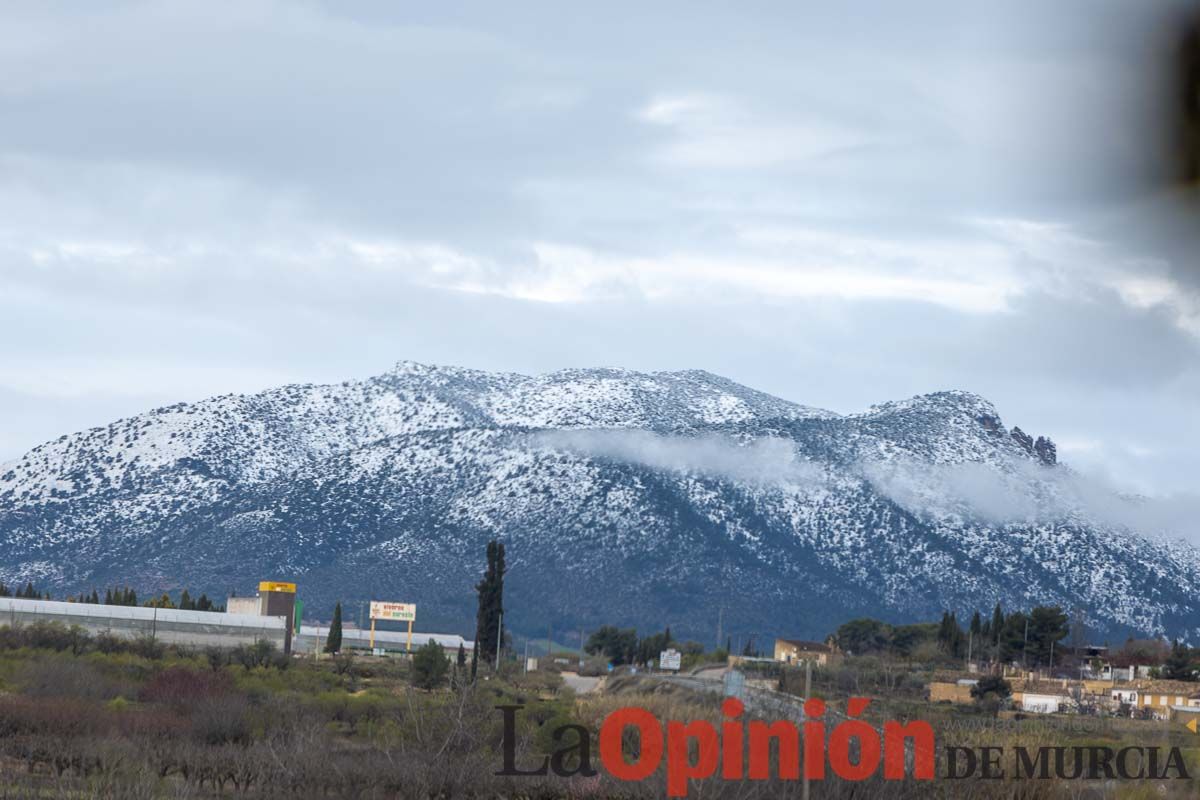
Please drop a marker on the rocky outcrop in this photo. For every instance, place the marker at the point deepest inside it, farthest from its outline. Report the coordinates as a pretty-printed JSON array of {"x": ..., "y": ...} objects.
[
  {"x": 1043, "y": 449},
  {"x": 1046, "y": 452},
  {"x": 1023, "y": 439}
]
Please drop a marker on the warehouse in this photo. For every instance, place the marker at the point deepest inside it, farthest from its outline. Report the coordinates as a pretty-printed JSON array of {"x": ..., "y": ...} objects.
[
  {"x": 312, "y": 636},
  {"x": 168, "y": 625}
]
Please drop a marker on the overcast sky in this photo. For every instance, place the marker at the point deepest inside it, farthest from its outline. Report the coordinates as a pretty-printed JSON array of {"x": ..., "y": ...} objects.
[{"x": 840, "y": 204}]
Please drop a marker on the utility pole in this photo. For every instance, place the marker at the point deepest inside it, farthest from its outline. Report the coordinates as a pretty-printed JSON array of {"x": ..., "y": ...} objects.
[
  {"x": 526, "y": 656},
  {"x": 970, "y": 642},
  {"x": 1025, "y": 648},
  {"x": 581, "y": 646},
  {"x": 499, "y": 638},
  {"x": 807, "y": 694},
  {"x": 549, "y": 642},
  {"x": 720, "y": 623}
]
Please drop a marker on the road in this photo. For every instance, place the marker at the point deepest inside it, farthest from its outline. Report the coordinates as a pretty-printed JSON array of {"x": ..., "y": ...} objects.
[
  {"x": 580, "y": 683},
  {"x": 763, "y": 701}
]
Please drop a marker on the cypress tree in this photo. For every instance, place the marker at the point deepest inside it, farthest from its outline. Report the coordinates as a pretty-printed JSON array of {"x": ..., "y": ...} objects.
[
  {"x": 488, "y": 620},
  {"x": 333, "y": 643},
  {"x": 108, "y": 601},
  {"x": 185, "y": 602},
  {"x": 462, "y": 655},
  {"x": 95, "y": 598},
  {"x": 1178, "y": 666},
  {"x": 950, "y": 636}
]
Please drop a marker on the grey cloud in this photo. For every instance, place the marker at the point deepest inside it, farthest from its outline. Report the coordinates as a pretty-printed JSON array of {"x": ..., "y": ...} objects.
[{"x": 229, "y": 149}]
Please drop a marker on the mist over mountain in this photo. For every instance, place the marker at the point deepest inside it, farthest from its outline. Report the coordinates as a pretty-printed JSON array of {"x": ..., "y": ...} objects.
[{"x": 656, "y": 499}]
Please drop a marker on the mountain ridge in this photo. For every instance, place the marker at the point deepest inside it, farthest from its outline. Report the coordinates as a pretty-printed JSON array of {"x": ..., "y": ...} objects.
[{"x": 690, "y": 492}]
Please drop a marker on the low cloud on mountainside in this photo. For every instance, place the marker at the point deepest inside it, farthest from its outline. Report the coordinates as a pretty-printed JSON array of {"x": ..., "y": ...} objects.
[
  {"x": 1022, "y": 493},
  {"x": 766, "y": 460},
  {"x": 1029, "y": 493}
]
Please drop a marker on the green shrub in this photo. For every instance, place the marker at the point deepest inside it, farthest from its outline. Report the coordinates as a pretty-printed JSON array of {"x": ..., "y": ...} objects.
[{"x": 429, "y": 666}]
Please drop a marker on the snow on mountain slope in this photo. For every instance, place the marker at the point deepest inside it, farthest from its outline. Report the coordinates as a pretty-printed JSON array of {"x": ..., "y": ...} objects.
[{"x": 648, "y": 499}]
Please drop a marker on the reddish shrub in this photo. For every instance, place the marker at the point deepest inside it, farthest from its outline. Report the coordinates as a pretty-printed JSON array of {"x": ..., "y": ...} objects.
[
  {"x": 55, "y": 716},
  {"x": 183, "y": 687}
]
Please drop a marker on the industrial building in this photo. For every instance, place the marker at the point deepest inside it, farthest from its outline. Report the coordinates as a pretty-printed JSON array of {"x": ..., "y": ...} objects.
[
  {"x": 356, "y": 639},
  {"x": 191, "y": 628},
  {"x": 211, "y": 628}
]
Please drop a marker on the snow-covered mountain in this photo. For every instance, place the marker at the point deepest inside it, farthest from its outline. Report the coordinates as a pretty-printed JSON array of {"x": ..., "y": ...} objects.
[{"x": 627, "y": 498}]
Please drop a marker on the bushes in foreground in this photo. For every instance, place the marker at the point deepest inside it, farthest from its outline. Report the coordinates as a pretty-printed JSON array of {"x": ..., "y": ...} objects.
[{"x": 74, "y": 639}]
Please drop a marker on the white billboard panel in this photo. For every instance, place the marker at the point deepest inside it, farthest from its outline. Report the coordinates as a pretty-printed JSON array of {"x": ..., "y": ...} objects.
[{"x": 394, "y": 612}]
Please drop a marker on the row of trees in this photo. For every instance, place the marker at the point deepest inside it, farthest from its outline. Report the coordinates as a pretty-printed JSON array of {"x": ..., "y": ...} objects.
[
  {"x": 28, "y": 593},
  {"x": 122, "y": 596},
  {"x": 623, "y": 646},
  {"x": 1032, "y": 637},
  {"x": 1182, "y": 664},
  {"x": 128, "y": 597}
]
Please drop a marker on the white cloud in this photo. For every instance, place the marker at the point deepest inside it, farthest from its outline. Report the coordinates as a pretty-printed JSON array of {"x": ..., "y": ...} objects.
[
  {"x": 837, "y": 213},
  {"x": 760, "y": 461},
  {"x": 708, "y": 131},
  {"x": 1028, "y": 493}
]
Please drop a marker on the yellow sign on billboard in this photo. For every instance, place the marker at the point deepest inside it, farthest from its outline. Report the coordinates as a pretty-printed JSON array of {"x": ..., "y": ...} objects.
[
  {"x": 395, "y": 612},
  {"x": 277, "y": 586}
]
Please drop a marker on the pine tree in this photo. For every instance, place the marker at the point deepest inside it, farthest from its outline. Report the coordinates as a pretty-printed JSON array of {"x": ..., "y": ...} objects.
[
  {"x": 429, "y": 666},
  {"x": 950, "y": 637},
  {"x": 185, "y": 601},
  {"x": 333, "y": 643},
  {"x": 1178, "y": 666},
  {"x": 489, "y": 619},
  {"x": 108, "y": 597},
  {"x": 95, "y": 598},
  {"x": 204, "y": 604},
  {"x": 30, "y": 593}
]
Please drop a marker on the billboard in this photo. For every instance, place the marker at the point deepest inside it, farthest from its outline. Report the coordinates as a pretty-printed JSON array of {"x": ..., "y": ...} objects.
[
  {"x": 669, "y": 659},
  {"x": 277, "y": 586},
  {"x": 394, "y": 612}
]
